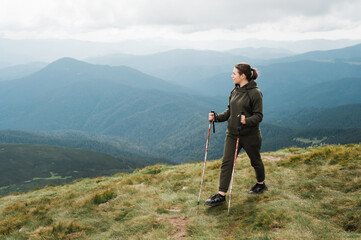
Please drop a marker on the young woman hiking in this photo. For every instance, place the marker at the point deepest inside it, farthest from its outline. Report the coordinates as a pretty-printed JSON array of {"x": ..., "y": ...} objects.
[{"x": 245, "y": 98}]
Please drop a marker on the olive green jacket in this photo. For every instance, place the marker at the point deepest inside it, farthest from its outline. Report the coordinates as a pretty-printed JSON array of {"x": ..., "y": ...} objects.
[{"x": 247, "y": 99}]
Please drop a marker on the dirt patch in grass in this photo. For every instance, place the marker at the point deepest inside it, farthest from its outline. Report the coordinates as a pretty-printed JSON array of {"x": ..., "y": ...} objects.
[
  {"x": 140, "y": 186},
  {"x": 175, "y": 209},
  {"x": 179, "y": 224},
  {"x": 74, "y": 235}
]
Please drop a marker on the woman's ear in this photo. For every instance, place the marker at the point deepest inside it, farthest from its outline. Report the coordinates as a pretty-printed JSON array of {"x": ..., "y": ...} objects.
[{"x": 243, "y": 76}]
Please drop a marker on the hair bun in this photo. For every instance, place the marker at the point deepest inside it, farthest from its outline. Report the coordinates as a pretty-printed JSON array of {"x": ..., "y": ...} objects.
[
  {"x": 251, "y": 73},
  {"x": 254, "y": 74}
]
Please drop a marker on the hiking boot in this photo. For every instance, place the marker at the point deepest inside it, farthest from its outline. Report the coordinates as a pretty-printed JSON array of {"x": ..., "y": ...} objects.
[
  {"x": 216, "y": 200},
  {"x": 258, "y": 188}
]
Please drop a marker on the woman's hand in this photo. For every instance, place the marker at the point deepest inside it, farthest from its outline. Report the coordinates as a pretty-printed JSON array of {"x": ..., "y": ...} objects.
[
  {"x": 211, "y": 117},
  {"x": 243, "y": 119}
]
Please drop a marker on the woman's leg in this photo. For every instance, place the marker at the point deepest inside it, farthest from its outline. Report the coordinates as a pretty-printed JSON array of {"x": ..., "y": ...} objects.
[
  {"x": 252, "y": 146},
  {"x": 227, "y": 162}
]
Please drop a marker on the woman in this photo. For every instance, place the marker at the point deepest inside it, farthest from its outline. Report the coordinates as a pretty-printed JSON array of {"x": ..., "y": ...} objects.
[{"x": 245, "y": 98}]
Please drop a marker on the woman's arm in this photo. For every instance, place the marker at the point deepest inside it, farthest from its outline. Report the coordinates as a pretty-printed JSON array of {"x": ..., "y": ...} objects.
[
  {"x": 257, "y": 110},
  {"x": 222, "y": 116}
]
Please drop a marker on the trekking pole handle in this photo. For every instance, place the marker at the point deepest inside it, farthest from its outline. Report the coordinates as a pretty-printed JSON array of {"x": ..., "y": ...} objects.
[
  {"x": 214, "y": 118},
  {"x": 239, "y": 121}
]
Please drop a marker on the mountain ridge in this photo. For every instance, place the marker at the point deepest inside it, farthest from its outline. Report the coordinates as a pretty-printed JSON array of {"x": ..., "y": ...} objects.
[
  {"x": 322, "y": 55},
  {"x": 155, "y": 120},
  {"x": 76, "y": 70}
]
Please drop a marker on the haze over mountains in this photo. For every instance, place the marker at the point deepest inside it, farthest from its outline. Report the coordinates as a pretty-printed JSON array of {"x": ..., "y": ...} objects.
[
  {"x": 14, "y": 52},
  {"x": 154, "y": 107},
  {"x": 70, "y": 94},
  {"x": 346, "y": 54}
]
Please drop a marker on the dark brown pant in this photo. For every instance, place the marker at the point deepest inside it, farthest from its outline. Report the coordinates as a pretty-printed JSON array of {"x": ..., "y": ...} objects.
[{"x": 252, "y": 145}]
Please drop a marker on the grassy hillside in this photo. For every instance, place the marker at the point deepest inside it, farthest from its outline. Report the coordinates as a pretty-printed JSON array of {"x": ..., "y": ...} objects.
[
  {"x": 26, "y": 166},
  {"x": 314, "y": 193}
]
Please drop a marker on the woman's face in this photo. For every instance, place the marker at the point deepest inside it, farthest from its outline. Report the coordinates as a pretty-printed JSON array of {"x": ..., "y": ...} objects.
[{"x": 237, "y": 79}]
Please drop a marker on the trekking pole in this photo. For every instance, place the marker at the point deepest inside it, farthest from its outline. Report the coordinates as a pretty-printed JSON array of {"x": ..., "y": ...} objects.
[
  {"x": 234, "y": 161},
  {"x": 205, "y": 158}
]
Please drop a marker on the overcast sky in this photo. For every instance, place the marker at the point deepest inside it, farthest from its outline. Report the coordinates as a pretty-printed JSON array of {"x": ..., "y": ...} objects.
[{"x": 191, "y": 20}]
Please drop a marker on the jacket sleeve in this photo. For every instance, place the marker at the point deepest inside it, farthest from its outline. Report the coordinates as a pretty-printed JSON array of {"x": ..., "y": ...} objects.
[
  {"x": 223, "y": 116},
  {"x": 257, "y": 110}
]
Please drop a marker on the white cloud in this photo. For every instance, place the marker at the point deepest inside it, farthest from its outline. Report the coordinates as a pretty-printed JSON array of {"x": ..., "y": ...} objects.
[{"x": 114, "y": 20}]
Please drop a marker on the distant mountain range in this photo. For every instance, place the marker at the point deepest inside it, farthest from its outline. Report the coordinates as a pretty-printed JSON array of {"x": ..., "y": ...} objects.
[
  {"x": 167, "y": 120},
  {"x": 344, "y": 116},
  {"x": 187, "y": 67},
  {"x": 327, "y": 94},
  {"x": 20, "y": 71},
  {"x": 181, "y": 66},
  {"x": 169, "y": 59},
  {"x": 15, "y": 52},
  {"x": 72, "y": 95},
  {"x": 350, "y": 52},
  {"x": 111, "y": 145},
  {"x": 262, "y": 52},
  {"x": 202, "y": 70},
  {"x": 306, "y": 83}
]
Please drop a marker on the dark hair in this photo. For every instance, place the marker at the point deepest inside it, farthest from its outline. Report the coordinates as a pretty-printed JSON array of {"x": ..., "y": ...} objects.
[{"x": 251, "y": 73}]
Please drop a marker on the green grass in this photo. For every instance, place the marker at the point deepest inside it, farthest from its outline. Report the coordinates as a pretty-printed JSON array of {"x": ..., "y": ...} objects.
[
  {"x": 53, "y": 176},
  {"x": 314, "y": 193},
  {"x": 310, "y": 141}
]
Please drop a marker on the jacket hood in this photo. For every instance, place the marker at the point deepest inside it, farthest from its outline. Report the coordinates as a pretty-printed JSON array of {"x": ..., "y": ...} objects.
[{"x": 251, "y": 84}]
